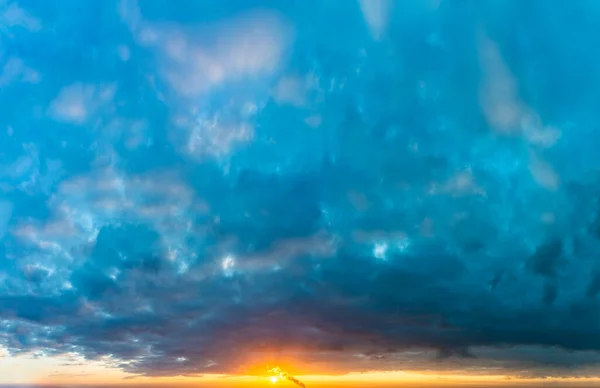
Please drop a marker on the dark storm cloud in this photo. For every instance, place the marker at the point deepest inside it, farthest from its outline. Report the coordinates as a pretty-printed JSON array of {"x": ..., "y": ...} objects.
[{"x": 201, "y": 194}]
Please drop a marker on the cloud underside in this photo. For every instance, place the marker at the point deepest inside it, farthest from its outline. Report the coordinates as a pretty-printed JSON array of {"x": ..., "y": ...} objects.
[{"x": 245, "y": 189}]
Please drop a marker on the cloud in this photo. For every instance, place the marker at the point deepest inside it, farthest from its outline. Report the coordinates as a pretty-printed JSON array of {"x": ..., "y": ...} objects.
[
  {"x": 242, "y": 188},
  {"x": 14, "y": 70},
  {"x": 76, "y": 103},
  {"x": 291, "y": 90},
  {"x": 502, "y": 105},
  {"x": 377, "y": 15},
  {"x": 245, "y": 47},
  {"x": 194, "y": 61},
  {"x": 11, "y": 15},
  {"x": 236, "y": 58}
]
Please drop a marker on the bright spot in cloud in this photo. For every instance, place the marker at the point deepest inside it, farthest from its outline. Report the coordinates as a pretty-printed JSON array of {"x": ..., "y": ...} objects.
[
  {"x": 227, "y": 265},
  {"x": 380, "y": 250}
]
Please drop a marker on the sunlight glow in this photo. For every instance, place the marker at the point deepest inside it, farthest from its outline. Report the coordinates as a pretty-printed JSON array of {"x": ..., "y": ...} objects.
[
  {"x": 76, "y": 371},
  {"x": 279, "y": 374}
]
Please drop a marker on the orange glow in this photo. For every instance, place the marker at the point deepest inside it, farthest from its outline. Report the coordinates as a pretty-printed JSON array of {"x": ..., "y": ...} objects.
[
  {"x": 369, "y": 379},
  {"x": 75, "y": 371}
]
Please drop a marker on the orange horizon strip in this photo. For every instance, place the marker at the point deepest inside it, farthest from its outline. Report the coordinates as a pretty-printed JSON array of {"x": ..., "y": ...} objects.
[{"x": 366, "y": 377}]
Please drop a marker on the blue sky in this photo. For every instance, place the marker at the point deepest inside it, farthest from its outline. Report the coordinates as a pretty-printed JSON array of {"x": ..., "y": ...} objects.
[{"x": 192, "y": 187}]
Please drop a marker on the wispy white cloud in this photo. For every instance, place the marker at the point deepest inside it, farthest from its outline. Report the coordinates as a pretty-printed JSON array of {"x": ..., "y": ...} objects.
[
  {"x": 543, "y": 173},
  {"x": 377, "y": 15},
  {"x": 507, "y": 114},
  {"x": 212, "y": 136},
  {"x": 237, "y": 57},
  {"x": 501, "y": 102},
  {"x": 294, "y": 90},
  {"x": 194, "y": 61},
  {"x": 77, "y": 102},
  {"x": 14, "y": 70}
]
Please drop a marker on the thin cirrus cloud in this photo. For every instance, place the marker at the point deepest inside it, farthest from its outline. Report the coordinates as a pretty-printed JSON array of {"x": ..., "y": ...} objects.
[{"x": 202, "y": 192}]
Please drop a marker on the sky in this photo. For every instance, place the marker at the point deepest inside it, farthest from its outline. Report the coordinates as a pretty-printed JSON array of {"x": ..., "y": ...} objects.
[{"x": 354, "y": 191}]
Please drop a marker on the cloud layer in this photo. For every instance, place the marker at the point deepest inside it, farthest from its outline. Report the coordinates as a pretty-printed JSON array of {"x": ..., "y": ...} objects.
[{"x": 351, "y": 186}]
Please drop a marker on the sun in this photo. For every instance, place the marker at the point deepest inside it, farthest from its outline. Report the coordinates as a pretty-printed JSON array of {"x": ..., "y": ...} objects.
[{"x": 274, "y": 379}]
